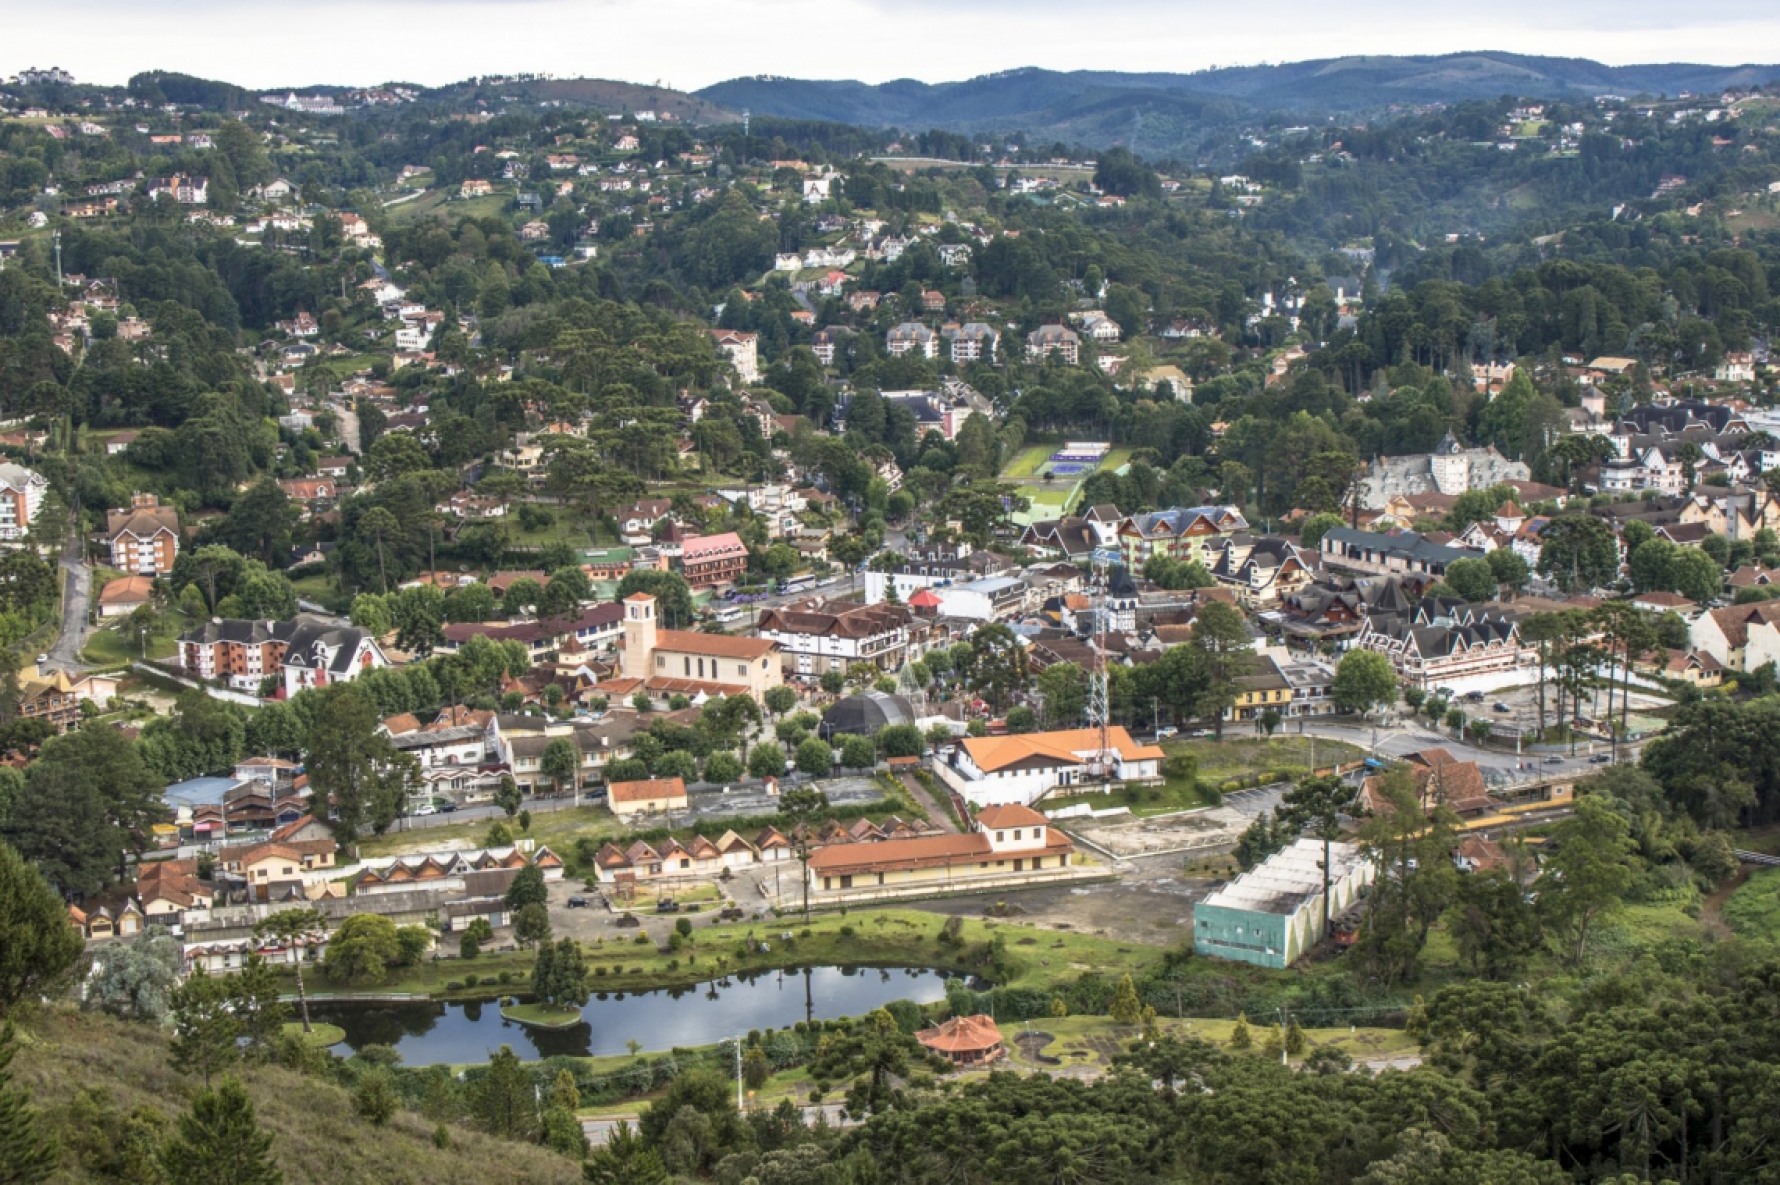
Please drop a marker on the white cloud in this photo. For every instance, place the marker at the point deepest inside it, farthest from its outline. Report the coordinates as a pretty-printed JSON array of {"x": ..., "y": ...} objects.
[{"x": 692, "y": 43}]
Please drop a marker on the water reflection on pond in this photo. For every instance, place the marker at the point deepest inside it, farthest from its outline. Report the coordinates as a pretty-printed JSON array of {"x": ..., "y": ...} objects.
[{"x": 426, "y": 1032}]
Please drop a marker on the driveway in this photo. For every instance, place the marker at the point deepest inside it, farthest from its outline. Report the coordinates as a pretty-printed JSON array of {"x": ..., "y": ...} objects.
[{"x": 77, "y": 595}]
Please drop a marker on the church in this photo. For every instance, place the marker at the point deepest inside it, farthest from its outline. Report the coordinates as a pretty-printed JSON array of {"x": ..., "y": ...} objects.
[{"x": 697, "y": 665}]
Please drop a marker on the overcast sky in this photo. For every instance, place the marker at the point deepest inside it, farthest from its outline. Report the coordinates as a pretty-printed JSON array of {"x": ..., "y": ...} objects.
[{"x": 693, "y": 43}]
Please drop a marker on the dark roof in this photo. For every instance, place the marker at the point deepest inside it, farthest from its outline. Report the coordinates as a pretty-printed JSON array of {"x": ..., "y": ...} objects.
[{"x": 865, "y": 714}]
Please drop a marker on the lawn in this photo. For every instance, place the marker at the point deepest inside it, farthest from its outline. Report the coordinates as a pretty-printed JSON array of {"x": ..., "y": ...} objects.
[
  {"x": 543, "y": 1016},
  {"x": 1027, "y": 461},
  {"x": 631, "y": 960},
  {"x": 1180, "y": 792},
  {"x": 1239, "y": 757},
  {"x": 114, "y": 645},
  {"x": 320, "y": 1036},
  {"x": 1753, "y": 911}
]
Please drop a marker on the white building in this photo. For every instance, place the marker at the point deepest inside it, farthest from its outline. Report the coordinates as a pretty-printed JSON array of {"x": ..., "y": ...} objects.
[{"x": 1024, "y": 767}]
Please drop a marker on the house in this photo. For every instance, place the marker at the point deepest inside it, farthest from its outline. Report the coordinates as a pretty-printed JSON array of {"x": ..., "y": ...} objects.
[
  {"x": 1739, "y": 637},
  {"x": 123, "y": 596},
  {"x": 21, "y": 495},
  {"x": 911, "y": 337},
  {"x": 710, "y": 561},
  {"x": 145, "y": 538},
  {"x": 1022, "y": 768},
  {"x": 1273, "y": 913},
  {"x": 50, "y": 698},
  {"x": 972, "y": 342},
  {"x": 1003, "y": 842},
  {"x": 1181, "y": 533},
  {"x": 742, "y": 351},
  {"x": 652, "y": 796},
  {"x": 1264, "y": 689},
  {"x": 1060, "y": 340},
  {"x": 685, "y": 662},
  {"x": 302, "y": 652},
  {"x": 167, "y": 889},
  {"x": 474, "y": 188},
  {"x": 965, "y": 1040},
  {"x": 1440, "y": 779},
  {"x": 817, "y": 636}
]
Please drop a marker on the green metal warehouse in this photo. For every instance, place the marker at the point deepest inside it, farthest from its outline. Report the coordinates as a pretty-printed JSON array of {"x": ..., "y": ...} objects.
[{"x": 1271, "y": 914}]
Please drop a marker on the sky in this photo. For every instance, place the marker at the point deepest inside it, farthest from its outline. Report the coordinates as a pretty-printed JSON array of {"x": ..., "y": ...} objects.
[{"x": 692, "y": 43}]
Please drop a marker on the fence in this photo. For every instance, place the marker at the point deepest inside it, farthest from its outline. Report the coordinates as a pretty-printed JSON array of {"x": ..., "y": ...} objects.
[{"x": 222, "y": 693}]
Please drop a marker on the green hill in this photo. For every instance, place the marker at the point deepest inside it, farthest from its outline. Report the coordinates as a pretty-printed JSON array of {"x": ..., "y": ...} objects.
[{"x": 317, "y": 1137}]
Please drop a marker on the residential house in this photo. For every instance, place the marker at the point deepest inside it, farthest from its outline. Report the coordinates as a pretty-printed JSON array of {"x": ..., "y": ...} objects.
[
  {"x": 123, "y": 596},
  {"x": 302, "y": 652},
  {"x": 1182, "y": 533},
  {"x": 653, "y": 796},
  {"x": 911, "y": 337},
  {"x": 145, "y": 538},
  {"x": 1060, "y": 340},
  {"x": 21, "y": 495},
  {"x": 742, "y": 351}
]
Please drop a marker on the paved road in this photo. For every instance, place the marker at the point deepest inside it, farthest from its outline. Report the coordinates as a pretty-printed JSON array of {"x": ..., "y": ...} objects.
[
  {"x": 1498, "y": 766},
  {"x": 77, "y": 594},
  {"x": 348, "y": 425}
]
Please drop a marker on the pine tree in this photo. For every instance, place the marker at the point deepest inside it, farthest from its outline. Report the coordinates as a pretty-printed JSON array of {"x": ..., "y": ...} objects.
[
  {"x": 624, "y": 1160},
  {"x": 205, "y": 1027},
  {"x": 219, "y": 1142},
  {"x": 1294, "y": 1038},
  {"x": 1126, "y": 1009},
  {"x": 38, "y": 948},
  {"x": 1239, "y": 1036},
  {"x": 27, "y": 1152},
  {"x": 502, "y": 1098}
]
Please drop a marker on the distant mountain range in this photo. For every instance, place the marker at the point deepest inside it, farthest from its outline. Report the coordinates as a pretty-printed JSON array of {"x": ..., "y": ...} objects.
[{"x": 1106, "y": 106}]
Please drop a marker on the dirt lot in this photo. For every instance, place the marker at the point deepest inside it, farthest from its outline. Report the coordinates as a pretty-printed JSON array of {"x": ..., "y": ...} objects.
[
  {"x": 1129, "y": 837},
  {"x": 1152, "y": 904}
]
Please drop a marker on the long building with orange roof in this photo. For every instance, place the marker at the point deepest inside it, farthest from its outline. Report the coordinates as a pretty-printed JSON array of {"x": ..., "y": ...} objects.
[{"x": 1024, "y": 767}]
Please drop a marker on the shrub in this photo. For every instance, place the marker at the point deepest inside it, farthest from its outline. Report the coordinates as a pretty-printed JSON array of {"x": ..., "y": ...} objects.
[
  {"x": 847, "y": 931},
  {"x": 454, "y": 985},
  {"x": 489, "y": 981},
  {"x": 599, "y": 972},
  {"x": 641, "y": 940},
  {"x": 505, "y": 978}
]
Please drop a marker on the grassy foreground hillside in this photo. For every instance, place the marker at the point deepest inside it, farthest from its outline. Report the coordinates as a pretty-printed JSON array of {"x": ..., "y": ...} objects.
[{"x": 317, "y": 1137}]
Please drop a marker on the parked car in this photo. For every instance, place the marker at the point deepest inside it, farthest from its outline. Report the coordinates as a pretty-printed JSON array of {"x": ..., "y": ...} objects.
[
  {"x": 1502, "y": 707},
  {"x": 1472, "y": 697},
  {"x": 1166, "y": 732},
  {"x": 1554, "y": 759},
  {"x": 1600, "y": 759},
  {"x": 665, "y": 905},
  {"x": 428, "y": 809},
  {"x": 577, "y": 903},
  {"x": 447, "y": 808}
]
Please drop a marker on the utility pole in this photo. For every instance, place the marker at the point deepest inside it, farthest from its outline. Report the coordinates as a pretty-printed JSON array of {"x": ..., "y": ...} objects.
[
  {"x": 739, "y": 1108},
  {"x": 56, "y": 238}
]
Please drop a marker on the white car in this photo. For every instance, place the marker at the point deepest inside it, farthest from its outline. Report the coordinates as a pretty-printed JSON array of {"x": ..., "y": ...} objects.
[{"x": 428, "y": 809}]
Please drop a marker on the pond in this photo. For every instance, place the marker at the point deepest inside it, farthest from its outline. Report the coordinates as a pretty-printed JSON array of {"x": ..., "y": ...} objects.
[{"x": 430, "y": 1032}]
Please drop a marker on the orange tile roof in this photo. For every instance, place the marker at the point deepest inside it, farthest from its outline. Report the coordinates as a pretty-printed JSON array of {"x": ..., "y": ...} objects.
[
  {"x": 1010, "y": 815},
  {"x": 962, "y": 1034},
  {"x": 993, "y": 753},
  {"x": 647, "y": 790}
]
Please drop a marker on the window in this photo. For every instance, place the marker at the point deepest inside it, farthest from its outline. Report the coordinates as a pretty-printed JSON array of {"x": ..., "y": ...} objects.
[
  {"x": 1000, "y": 836},
  {"x": 1016, "y": 834}
]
